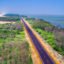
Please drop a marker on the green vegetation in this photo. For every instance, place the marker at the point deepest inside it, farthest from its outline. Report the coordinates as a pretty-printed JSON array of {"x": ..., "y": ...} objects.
[
  {"x": 14, "y": 48},
  {"x": 9, "y": 18},
  {"x": 48, "y": 36},
  {"x": 51, "y": 34},
  {"x": 9, "y": 31}
]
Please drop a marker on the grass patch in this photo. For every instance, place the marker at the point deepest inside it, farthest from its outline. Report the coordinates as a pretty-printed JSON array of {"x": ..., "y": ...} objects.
[
  {"x": 13, "y": 46},
  {"x": 50, "y": 39},
  {"x": 17, "y": 53},
  {"x": 48, "y": 36}
]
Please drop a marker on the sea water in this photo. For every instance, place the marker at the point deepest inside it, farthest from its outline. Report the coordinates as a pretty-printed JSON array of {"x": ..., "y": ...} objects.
[{"x": 56, "y": 20}]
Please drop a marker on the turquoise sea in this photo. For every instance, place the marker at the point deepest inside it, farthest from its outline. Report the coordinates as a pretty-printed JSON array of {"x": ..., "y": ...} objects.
[{"x": 54, "y": 19}]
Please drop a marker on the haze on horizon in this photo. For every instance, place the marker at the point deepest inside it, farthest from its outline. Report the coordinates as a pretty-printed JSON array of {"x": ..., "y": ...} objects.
[{"x": 36, "y": 7}]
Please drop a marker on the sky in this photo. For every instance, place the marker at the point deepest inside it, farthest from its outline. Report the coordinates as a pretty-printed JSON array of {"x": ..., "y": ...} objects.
[{"x": 32, "y": 7}]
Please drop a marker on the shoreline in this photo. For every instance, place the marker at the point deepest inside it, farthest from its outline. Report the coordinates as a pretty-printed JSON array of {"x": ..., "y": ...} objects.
[{"x": 59, "y": 25}]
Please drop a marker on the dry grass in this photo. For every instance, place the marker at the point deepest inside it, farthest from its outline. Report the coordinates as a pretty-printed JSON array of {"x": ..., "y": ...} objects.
[{"x": 15, "y": 53}]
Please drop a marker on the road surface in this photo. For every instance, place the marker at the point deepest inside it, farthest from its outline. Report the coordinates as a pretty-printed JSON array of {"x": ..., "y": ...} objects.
[{"x": 43, "y": 54}]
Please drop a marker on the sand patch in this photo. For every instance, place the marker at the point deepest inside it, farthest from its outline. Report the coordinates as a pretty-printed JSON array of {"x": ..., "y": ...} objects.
[{"x": 4, "y": 22}]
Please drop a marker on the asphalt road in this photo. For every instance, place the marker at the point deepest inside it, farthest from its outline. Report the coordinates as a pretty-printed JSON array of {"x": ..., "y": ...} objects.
[{"x": 43, "y": 54}]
